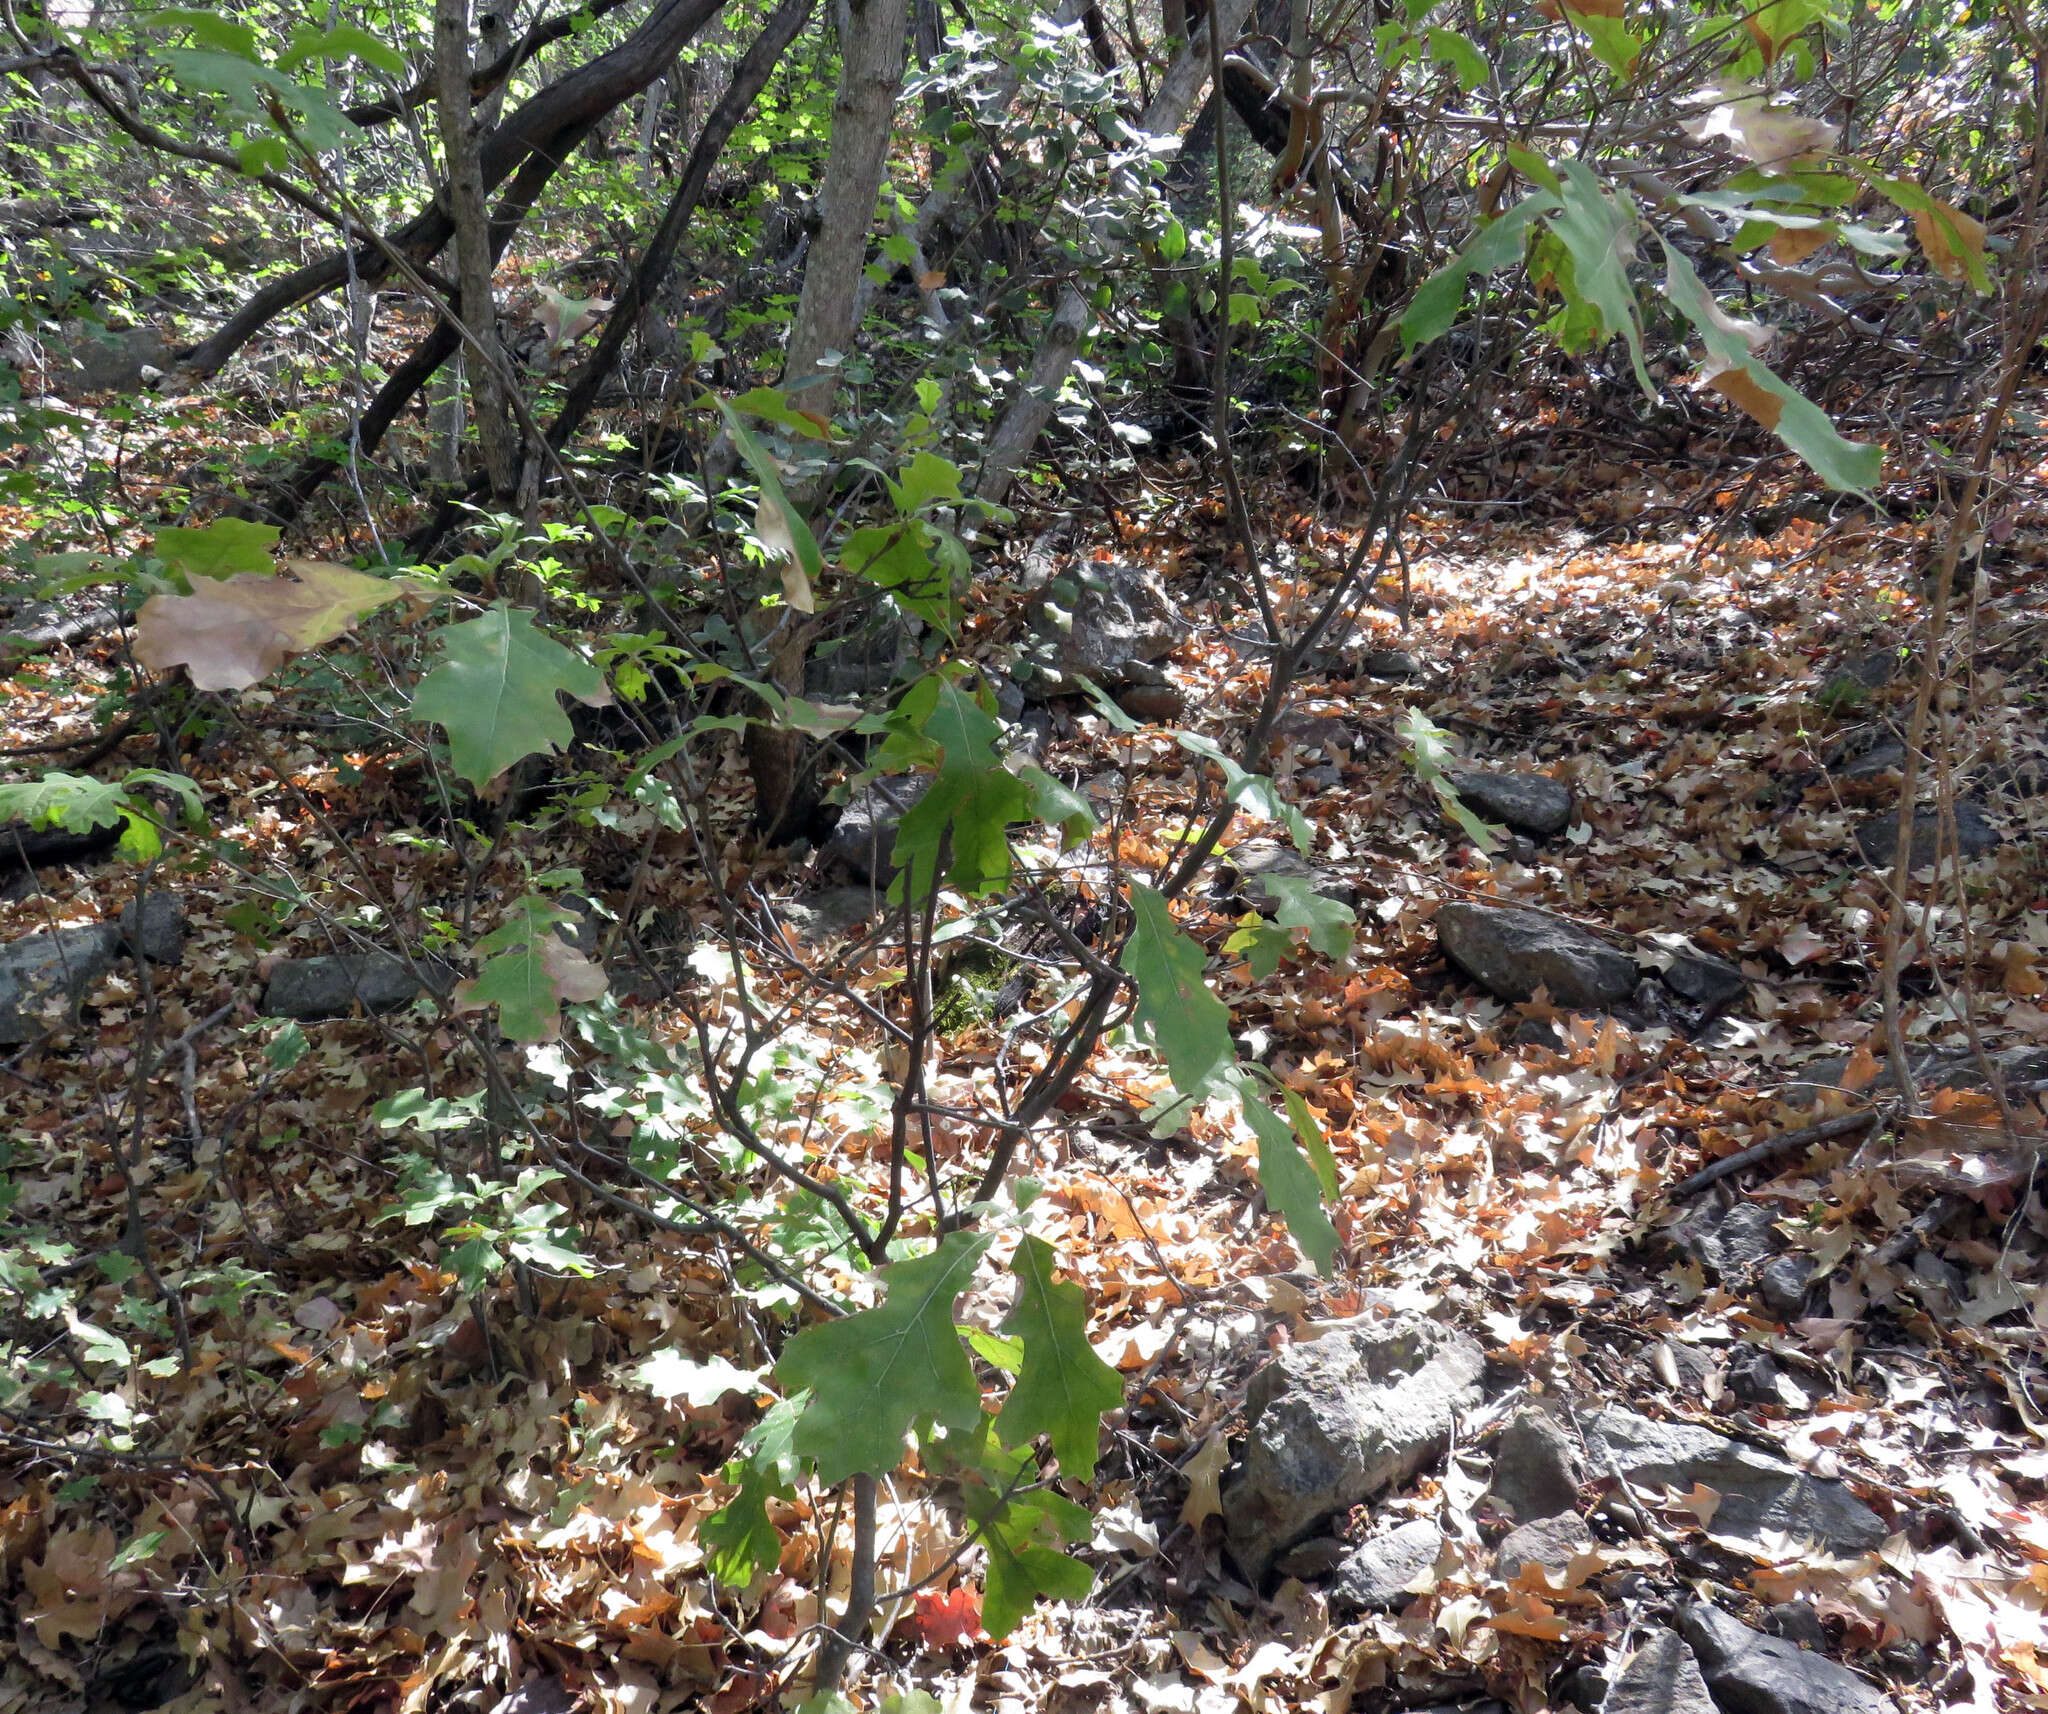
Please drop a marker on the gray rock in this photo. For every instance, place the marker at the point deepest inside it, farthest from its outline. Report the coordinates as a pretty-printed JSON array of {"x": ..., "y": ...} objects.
[
  {"x": 333, "y": 984},
  {"x": 1094, "y": 620},
  {"x": 830, "y": 913},
  {"x": 1009, "y": 695},
  {"x": 1336, "y": 1420},
  {"x": 1532, "y": 803},
  {"x": 1731, "y": 1241},
  {"x": 1377, "y": 1573},
  {"x": 1749, "y": 1673},
  {"x": 1512, "y": 953},
  {"x": 1761, "y": 1496},
  {"x": 1705, "y": 981},
  {"x": 1583, "y": 1688},
  {"x": 1873, "y": 763},
  {"x": 1661, "y": 1677},
  {"x": 160, "y": 936},
  {"x": 1878, "y": 837},
  {"x": 1782, "y": 1284},
  {"x": 1549, "y": 1542},
  {"x": 1799, "y": 1623},
  {"x": 44, "y": 977},
  {"x": 1324, "y": 777},
  {"x": 1257, "y": 861},
  {"x": 862, "y": 663},
  {"x": 1754, "y": 1376},
  {"x": 1389, "y": 664},
  {"x": 89, "y": 359},
  {"x": 1536, "y": 1466},
  {"x": 865, "y": 837}
]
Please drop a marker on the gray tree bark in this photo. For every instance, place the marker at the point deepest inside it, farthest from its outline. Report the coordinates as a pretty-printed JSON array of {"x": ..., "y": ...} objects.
[
  {"x": 1073, "y": 319},
  {"x": 473, "y": 263},
  {"x": 874, "y": 38}
]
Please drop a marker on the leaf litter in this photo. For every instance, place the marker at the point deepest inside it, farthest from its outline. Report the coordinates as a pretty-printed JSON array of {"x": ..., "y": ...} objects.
[{"x": 356, "y": 1494}]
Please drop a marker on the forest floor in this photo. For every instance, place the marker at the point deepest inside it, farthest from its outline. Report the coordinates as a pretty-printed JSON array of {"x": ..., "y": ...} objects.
[{"x": 349, "y": 1498}]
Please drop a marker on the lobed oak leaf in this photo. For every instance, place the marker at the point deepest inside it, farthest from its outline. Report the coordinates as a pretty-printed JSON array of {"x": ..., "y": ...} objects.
[
  {"x": 949, "y": 1620},
  {"x": 230, "y": 634}
]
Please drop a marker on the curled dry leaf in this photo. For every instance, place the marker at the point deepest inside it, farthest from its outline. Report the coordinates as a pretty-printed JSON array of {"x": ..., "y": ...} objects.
[
  {"x": 1952, "y": 239},
  {"x": 230, "y": 635},
  {"x": 1769, "y": 136},
  {"x": 1204, "y": 1472}
]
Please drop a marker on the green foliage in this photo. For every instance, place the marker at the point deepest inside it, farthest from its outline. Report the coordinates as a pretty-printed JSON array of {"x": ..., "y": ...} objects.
[
  {"x": 1430, "y": 755},
  {"x": 221, "y": 549},
  {"x": 531, "y": 971},
  {"x": 782, "y": 529},
  {"x": 497, "y": 688},
  {"x": 79, "y": 803},
  {"x": 1600, "y": 234},
  {"x": 1189, "y": 1026},
  {"x": 1191, "y": 1029},
  {"x": 739, "y": 1538},
  {"x": 959, "y": 830},
  {"x": 1064, "y": 1387},
  {"x": 1437, "y": 301},
  {"x": 483, "y": 1224},
  {"x": 873, "y": 1374},
  {"x": 1292, "y": 1185},
  {"x": 1734, "y": 367}
]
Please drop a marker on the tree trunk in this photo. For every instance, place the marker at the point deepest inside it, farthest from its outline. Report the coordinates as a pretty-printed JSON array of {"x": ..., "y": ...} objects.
[
  {"x": 444, "y": 425},
  {"x": 1071, "y": 321},
  {"x": 874, "y": 36},
  {"x": 473, "y": 260}
]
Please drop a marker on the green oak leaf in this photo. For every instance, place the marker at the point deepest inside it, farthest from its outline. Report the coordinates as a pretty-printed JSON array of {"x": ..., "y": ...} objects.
[
  {"x": 1190, "y": 1026},
  {"x": 1065, "y": 1387},
  {"x": 871, "y": 1375},
  {"x": 220, "y": 549},
  {"x": 1438, "y": 299},
  {"x": 533, "y": 972},
  {"x": 739, "y": 1539},
  {"x": 964, "y": 818},
  {"x": 1330, "y": 923},
  {"x": 1021, "y": 1533},
  {"x": 497, "y": 691},
  {"x": 1600, "y": 234},
  {"x": 1734, "y": 370},
  {"x": 1291, "y": 1184}
]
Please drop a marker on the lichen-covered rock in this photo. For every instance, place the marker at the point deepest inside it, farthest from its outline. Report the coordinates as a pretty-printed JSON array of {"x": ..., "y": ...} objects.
[
  {"x": 1336, "y": 1420},
  {"x": 1092, "y": 622},
  {"x": 44, "y": 977}
]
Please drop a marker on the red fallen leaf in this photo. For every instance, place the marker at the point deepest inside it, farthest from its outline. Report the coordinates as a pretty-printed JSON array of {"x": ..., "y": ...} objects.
[{"x": 949, "y": 1620}]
